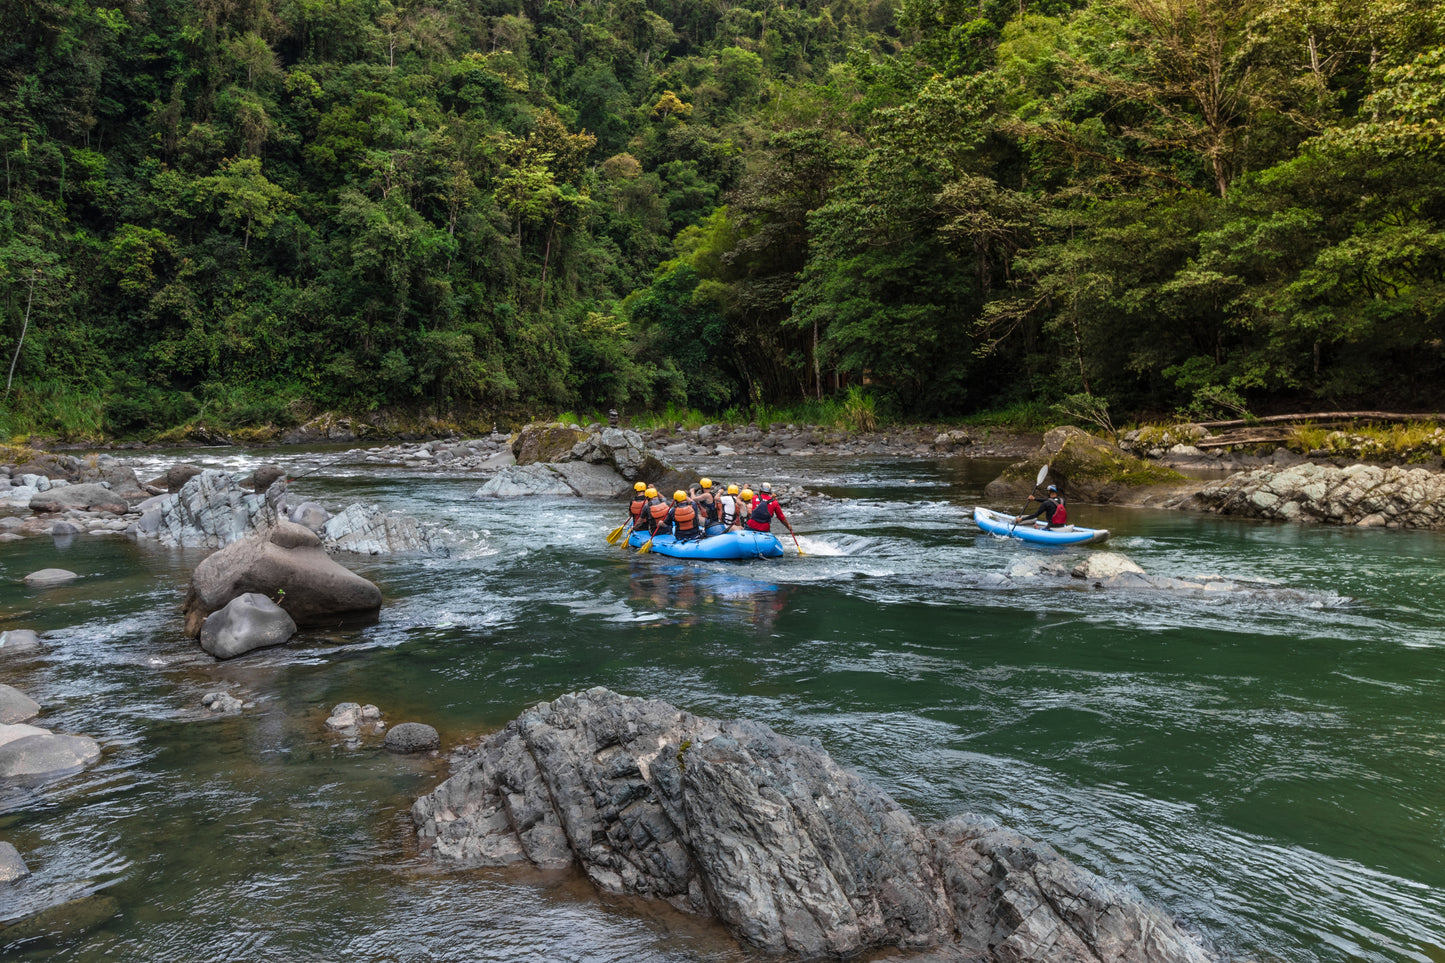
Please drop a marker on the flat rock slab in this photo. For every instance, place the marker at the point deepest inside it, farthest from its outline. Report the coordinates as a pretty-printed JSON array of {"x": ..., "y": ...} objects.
[
  {"x": 46, "y": 756},
  {"x": 83, "y": 498},
  {"x": 792, "y": 853}
]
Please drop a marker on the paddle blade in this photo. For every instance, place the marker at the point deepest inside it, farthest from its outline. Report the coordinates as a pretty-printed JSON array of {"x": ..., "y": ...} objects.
[
  {"x": 615, "y": 534},
  {"x": 800, "y": 546},
  {"x": 646, "y": 547},
  {"x": 1043, "y": 473}
]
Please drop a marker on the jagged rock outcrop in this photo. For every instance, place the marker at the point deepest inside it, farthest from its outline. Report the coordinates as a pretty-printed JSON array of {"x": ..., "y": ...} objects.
[
  {"x": 211, "y": 510},
  {"x": 769, "y": 835},
  {"x": 285, "y": 562},
  {"x": 369, "y": 531},
  {"x": 1086, "y": 469},
  {"x": 561, "y": 480},
  {"x": 1364, "y": 495},
  {"x": 601, "y": 464}
]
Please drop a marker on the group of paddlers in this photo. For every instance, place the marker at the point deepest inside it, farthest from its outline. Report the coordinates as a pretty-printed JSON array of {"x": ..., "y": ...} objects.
[{"x": 702, "y": 510}]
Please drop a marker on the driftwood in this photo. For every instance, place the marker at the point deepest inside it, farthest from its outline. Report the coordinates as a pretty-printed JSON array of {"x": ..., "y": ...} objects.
[
  {"x": 1230, "y": 442},
  {"x": 1323, "y": 416}
]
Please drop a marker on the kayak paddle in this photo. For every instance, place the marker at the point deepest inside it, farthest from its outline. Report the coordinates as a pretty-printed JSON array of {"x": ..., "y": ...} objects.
[
  {"x": 616, "y": 533},
  {"x": 1043, "y": 473},
  {"x": 796, "y": 542}
]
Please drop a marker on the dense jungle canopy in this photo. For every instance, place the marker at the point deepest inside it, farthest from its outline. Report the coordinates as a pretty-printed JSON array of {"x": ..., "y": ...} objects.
[{"x": 250, "y": 210}]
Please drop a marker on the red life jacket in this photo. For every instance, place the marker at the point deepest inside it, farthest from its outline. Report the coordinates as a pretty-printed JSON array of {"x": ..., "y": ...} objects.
[
  {"x": 1060, "y": 516},
  {"x": 639, "y": 502}
]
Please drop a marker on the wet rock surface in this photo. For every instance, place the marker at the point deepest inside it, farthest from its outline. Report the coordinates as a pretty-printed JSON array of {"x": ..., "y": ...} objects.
[
  {"x": 792, "y": 853},
  {"x": 246, "y": 623}
]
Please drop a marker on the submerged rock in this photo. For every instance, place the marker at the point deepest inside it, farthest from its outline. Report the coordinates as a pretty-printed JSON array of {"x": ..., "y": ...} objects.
[
  {"x": 222, "y": 703},
  {"x": 286, "y": 562},
  {"x": 791, "y": 852},
  {"x": 12, "y": 865},
  {"x": 19, "y": 641},
  {"x": 16, "y": 706},
  {"x": 50, "y": 576},
  {"x": 348, "y": 718}
]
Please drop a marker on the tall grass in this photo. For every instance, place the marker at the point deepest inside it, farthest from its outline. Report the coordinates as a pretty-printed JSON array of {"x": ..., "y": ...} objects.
[
  {"x": 53, "y": 410},
  {"x": 1032, "y": 416}
]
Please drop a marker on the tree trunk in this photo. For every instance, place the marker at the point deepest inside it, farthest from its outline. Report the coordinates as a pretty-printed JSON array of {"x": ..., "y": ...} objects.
[
  {"x": 1325, "y": 416},
  {"x": 29, "y": 300}
]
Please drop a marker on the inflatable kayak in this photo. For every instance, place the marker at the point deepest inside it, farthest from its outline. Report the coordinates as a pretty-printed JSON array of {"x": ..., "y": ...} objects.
[
  {"x": 729, "y": 545},
  {"x": 997, "y": 523}
]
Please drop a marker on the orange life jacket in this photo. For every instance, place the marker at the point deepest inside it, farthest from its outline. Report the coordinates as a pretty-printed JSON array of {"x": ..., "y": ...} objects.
[
  {"x": 657, "y": 511},
  {"x": 685, "y": 515},
  {"x": 639, "y": 502}
]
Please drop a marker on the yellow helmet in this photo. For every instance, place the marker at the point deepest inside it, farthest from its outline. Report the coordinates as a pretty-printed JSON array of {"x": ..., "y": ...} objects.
[
  {"x": 706, "y": 483},
  {"x": 679, "y": 496},
  {"x": 640, "y": 487},
  {"x": 732, "y": 489},
  {"x": 747, "y": 495},
  {"x": 651, "y": 492}
]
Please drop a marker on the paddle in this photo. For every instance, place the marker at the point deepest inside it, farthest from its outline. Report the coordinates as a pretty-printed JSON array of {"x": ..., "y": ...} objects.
[
  {"x": 616, "y": 533},
  {"x": 647, "y": 546},
  {"x": 1043, "y": 473},
  {"x": 796, "y": 542}
]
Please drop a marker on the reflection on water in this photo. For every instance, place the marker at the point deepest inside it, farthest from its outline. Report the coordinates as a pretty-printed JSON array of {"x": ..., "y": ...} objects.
[{"x": 1268, "y": 764}]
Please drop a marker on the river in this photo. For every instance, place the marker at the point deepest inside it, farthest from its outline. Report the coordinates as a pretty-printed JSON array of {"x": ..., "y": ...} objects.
[{"x": 1269, "y": 765}]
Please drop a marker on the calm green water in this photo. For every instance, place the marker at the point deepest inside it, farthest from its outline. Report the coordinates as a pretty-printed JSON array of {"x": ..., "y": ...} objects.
[{"x": 1270, "y": 765}]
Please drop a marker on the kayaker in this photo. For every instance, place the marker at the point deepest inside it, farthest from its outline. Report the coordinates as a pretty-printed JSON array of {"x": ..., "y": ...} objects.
[
  {"x": 656, "y": 511},
  {"x": 684, "y": 519},
  {"x": 638, "y": 505},
  {"x": 765, "y": 509},
  {"x": 1051, "y": 509}
]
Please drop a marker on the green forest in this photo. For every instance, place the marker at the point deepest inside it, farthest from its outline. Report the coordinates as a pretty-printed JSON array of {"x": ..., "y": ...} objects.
[{"x": 247, "y": 212}]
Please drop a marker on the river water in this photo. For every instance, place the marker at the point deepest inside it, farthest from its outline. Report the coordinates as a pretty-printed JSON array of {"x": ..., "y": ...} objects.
[{"x": 1269, "y": 765}]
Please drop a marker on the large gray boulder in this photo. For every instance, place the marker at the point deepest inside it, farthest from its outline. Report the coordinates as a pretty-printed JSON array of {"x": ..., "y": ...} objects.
[
  {"x": 791, "y": 852},
  {"x": 621, "y": 449},
  {"x": 16, "y": 706},
  {"x": 247, "y": 622},
  {"x": 46, "y": 756},
  {"x": 286, "y": 562}
]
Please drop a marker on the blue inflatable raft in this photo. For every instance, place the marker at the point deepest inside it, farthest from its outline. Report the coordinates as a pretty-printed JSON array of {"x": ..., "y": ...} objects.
[
  {"x": 729, "y": 545},
  {"x": 996, "y": 523}
]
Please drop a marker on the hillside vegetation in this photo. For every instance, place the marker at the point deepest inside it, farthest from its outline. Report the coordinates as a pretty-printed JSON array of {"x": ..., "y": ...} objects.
[{"x": 244, "y": 212}]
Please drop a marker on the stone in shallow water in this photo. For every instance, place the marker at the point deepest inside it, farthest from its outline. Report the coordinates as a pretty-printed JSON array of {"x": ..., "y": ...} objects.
[
  {"x": 412, "y": 737},
  {"x": 50, "y": 576}
]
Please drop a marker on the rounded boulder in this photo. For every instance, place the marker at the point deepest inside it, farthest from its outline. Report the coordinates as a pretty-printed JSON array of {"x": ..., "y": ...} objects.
[
  {"x": 49, "y": 576},
  {"x": 248, "y": 622},
  {"x": 16, "y": 706},
  {"x": 412, "y": 737}
]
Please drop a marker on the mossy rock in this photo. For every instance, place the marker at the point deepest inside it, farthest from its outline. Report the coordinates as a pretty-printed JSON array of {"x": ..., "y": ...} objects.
[
  {"x": 545, "y": 443},
  {"x": 1084, "y": 467}
]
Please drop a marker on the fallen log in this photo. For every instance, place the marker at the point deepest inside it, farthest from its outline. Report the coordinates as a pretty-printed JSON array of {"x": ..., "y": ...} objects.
[{"x": 1308, "y": 417}]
